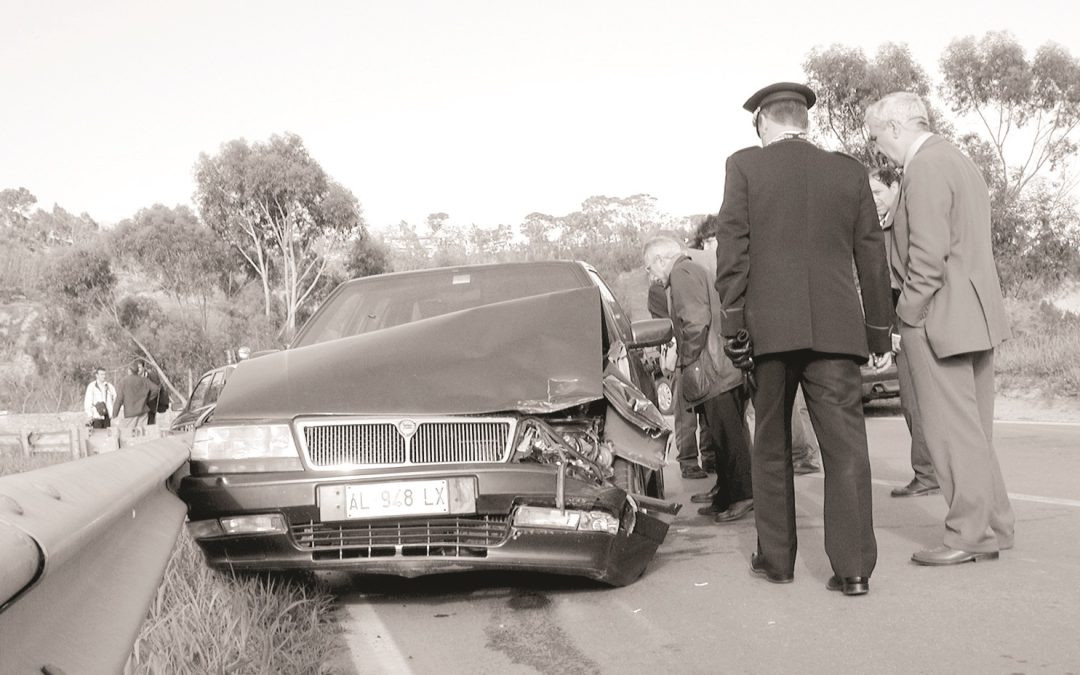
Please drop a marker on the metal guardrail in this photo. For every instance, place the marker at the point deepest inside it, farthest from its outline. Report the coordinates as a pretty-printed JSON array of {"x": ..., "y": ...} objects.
[{"x": 83, "y": 547}]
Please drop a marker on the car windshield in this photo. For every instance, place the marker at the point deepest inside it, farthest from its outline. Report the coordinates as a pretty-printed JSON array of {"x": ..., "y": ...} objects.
[{"x": 381, "y": 302}]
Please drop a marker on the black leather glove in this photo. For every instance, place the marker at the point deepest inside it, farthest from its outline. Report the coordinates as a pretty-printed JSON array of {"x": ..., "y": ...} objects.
[{"x": 740, "y": 349}]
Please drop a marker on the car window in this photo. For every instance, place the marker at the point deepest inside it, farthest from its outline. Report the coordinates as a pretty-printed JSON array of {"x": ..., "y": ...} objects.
[
  {"x": 215, "y": 388},
  {"x": 198, "y": 395},
  {"x": 616, "y": 316},
  {"x": 376, "y": 303}
]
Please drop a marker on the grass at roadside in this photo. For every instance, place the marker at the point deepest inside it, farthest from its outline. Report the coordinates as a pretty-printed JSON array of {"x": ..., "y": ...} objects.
[
  {"x": 1044, "y": 353},
  {"x": 16, "y": 462},
  {"x": 207, "y": 622}
]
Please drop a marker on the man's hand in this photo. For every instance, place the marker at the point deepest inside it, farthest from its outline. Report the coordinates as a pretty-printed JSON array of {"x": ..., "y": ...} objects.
[
  {"x": 896, "y": 342},
  {"x": 740, "y": 349},
  {"x": 880, "y": 362}
]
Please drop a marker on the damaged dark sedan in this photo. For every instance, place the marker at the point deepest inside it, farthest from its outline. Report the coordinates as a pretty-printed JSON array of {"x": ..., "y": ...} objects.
[{"x": 486, "y": 417}]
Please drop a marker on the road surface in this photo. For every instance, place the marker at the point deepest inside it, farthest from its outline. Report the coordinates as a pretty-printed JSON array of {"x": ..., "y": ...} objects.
[{"x": 698, "y": 609}]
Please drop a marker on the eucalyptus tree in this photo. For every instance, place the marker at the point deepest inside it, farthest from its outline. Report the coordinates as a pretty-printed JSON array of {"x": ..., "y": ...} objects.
[{"x": 278, "y": 208}]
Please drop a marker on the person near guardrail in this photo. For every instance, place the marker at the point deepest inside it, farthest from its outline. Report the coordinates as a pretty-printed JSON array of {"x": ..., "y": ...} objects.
[
  {"x": 98, "y": 401},
  {"x": 885, "y": 184},
  {"x": 133, "y": 395},
  {"x": 159, "y": 402}
]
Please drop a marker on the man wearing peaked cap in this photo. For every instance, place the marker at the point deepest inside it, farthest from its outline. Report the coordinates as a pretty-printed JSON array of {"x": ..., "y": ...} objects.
[
  {"x": 793, "y": 218},
  {"x": 781, "y": 91}
]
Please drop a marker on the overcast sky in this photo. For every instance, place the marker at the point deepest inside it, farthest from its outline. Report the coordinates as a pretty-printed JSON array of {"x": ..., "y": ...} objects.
[{"x": 484, "y": 109}]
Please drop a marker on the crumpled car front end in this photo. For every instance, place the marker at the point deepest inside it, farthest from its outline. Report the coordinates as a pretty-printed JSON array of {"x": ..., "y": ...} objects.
[{"x": 515, "y": 445}]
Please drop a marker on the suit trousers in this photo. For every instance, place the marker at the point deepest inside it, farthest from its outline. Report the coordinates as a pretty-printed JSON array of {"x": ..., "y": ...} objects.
[
  {"x": 954, "y": 397},
  {"x": 832, "y": 387},
  {"x": 920, "y": 454},
  {"x": 730, "y": 439}
]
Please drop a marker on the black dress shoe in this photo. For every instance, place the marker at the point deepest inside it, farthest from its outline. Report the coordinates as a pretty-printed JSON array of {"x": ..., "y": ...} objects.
[
  {"x": 705, "y": 497},
  {"x": 943, "y": 555},
  {"x": 849, "y": 585},
  {"x": 915, "y": 488},
  {"x": 735, "y": 511},
  {"x": 757, "y": 566},
  {"x": 693, "y": 472}
]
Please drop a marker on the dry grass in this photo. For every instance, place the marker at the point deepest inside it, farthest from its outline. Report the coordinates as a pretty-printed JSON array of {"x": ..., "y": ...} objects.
[
  {"x": 203, "y": 621},
  {"x": 1044, "y": 354},
  {"x": 16, "y": 462}
]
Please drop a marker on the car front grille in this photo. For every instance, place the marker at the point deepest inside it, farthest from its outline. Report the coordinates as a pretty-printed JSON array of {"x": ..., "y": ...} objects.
[
  {"x": 372, "y": 442},
  {"x": 439, "y": 537}
]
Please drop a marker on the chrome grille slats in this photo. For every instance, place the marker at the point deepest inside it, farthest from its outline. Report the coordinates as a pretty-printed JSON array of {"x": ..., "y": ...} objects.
[
  {"x": 334, "y": 443},
  {"x": 445, "y": 444}
]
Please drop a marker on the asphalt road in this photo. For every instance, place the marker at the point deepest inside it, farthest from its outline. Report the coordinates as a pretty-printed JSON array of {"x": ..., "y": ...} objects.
[{"x": 698, "y": 609}]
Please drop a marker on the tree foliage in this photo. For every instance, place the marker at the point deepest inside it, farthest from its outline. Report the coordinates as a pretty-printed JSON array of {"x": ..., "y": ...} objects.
[
  {"x": 181, "y": 255},
  {"x": 1035, "y": 103},
  {"x": 276, "y": 205},
  {"x": 846, "y": 82}
]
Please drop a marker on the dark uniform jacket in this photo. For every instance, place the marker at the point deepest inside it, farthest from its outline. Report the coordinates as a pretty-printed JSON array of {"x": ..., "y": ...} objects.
[
  {"x": 695, "y": 314},
  {"x": 793, "y": 218}
]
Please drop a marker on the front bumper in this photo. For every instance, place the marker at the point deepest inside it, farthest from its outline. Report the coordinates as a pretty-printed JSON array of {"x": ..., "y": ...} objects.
[
  {"x": 885, "y": 384},
  {"x": 414, "y": 546}
]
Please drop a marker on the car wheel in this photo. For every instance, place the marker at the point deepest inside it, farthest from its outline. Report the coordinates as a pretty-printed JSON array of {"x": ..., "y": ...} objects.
[{"x": 664, "y": 395}]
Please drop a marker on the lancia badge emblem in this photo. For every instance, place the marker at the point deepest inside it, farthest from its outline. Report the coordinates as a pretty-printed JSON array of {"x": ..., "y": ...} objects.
[{"x": 406, "y": 428}]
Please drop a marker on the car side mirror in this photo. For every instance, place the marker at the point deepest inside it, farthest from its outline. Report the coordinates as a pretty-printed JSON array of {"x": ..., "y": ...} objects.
[{"x": 650, "y": 333}]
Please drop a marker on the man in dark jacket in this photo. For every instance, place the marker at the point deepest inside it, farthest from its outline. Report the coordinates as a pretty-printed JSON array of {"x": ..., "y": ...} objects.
[
  {"x": 695, "y": 316},
  {"x": 793, "y": 218},
  {"x": 133, "y": 395}
]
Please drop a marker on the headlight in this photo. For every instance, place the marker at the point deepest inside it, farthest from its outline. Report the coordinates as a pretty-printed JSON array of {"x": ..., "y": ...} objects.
[{"x": 268, "y": 447}]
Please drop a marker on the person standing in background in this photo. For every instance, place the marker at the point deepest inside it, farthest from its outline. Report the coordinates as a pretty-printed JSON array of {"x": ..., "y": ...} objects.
[
  {"x": 885, "y": 184},
  {"x": 133, "y": 397},
  {"x": 98, "y": 401}
]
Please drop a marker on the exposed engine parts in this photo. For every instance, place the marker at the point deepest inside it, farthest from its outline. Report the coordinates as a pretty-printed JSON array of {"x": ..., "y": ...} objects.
[{"x": 576, "y": 447}]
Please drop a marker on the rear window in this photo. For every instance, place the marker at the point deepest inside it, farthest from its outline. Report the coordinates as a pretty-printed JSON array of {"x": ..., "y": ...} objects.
[{"x": 382, "y": 302}]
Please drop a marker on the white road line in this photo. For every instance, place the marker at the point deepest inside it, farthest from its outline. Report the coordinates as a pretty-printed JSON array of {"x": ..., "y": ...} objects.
[
  {"x": 996, "y": 421},
  {"x": 1057, "y": 501},
  {"x": 372, "y": 646},
  {"x": 1037, "y": 423}
]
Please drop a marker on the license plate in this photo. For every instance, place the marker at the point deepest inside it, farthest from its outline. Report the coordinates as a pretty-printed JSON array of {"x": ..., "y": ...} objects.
[
  {"x": 443, "y": 496},
  {"x": 404, "y": 498}
]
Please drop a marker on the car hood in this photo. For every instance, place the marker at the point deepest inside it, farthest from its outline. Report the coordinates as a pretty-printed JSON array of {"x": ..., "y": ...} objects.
[{"x": 533, "y": 355}]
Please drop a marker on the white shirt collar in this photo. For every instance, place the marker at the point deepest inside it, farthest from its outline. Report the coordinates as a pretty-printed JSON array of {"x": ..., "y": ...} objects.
[{"x": 915, "y": 147}]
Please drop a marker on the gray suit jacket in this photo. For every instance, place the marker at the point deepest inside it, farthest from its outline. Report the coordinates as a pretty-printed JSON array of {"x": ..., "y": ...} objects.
[{"x": 942, "y": 252}]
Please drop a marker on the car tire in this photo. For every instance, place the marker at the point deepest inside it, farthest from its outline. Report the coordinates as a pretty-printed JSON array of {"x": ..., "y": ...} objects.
[{"x": 665, "y": 400}]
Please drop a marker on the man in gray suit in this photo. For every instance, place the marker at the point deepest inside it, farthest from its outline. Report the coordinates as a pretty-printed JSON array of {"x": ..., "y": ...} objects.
[{"x": 951, "y": 318}]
